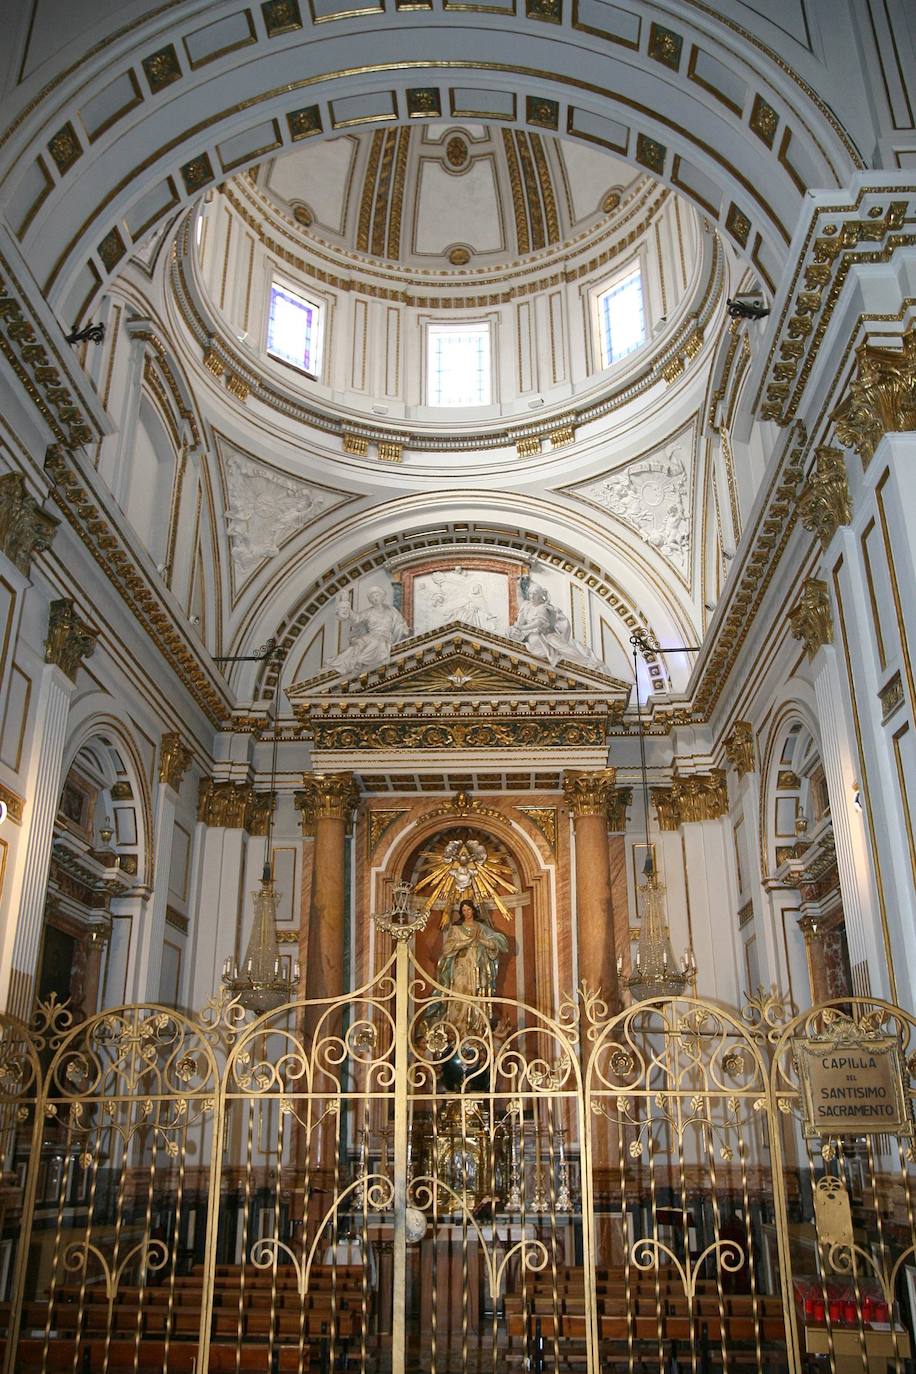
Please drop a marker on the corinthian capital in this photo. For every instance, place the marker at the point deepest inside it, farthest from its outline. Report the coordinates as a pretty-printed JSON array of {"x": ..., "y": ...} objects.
[
  {"x": 69, "y": 640},
  {"x": 589, "y": 794},
  {"x": 174, "y": 760},
  {"x": 810, "y": 619},
  {"x": 25, "y": 529},
  {"x": 881, "y": 398},
  {"x": 739, "y": 747},
  {"x": 328, "y": 796},
  {"x": 823, "y": 504}
]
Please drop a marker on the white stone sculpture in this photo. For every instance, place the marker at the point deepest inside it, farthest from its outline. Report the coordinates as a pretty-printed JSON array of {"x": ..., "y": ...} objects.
[
  {"x": 546, "y": 632},
  {"x": 372, "y": 634},
  {"x": 652, "y": 496},
  {"x": 460, "y": 596},
  {"x": 264, "y": 509}
]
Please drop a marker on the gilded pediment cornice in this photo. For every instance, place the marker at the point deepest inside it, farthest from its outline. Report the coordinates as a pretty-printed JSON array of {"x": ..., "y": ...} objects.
[{"x": 456, "y": 662}]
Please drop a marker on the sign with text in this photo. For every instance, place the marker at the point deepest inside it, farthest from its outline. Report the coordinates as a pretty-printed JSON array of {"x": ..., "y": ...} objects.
[{"x": 853, "y": 1086}]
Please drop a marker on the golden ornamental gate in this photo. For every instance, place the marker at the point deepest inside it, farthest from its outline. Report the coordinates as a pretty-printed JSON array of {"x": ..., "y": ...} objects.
[{"x": 406, "y": 1178}]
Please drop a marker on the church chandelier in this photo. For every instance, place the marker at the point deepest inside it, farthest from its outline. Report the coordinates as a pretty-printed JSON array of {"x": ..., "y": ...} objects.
[
  {"x": 262, "y": 981},
  {"x": 655, "y": 972}
]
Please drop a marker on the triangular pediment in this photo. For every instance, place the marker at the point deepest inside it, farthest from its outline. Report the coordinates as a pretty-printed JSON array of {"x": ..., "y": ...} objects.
[{"x": 459, "y": 662}]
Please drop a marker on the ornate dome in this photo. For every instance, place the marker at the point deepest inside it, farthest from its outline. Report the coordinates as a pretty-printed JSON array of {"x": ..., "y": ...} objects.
[{"x": 438, "y": 196}]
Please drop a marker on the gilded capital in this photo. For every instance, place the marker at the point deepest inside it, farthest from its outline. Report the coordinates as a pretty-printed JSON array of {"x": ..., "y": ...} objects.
[
  {"x": 701, "y": 796},
  {"x": 588, "y": 794},
  {"x": 739, "y": 748},
  {"x": 810, "y": 618},
  {"x": 329, "y": 796},
  {"x": 25, "y": 529},
  {"x": 307, "y": 817},
  {"x": 69, "y": 640},
  {"x": 823, "y": 503},
  {"x": 697, "y": 797},
  {"x": 619, "y": 800},
  {"x": 259, "y": 812},
  {"x": 665, "y": 808},
  {"x": 227, "y": 804},
  {"x": 881, "y": 398},
  {"x": 174, "y": 760}
]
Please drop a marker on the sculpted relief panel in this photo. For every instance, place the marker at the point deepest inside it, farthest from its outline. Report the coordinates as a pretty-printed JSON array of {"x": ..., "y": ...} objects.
[
  {"x": 264, "y": 508},
  {"x": 653, "y": 497}
]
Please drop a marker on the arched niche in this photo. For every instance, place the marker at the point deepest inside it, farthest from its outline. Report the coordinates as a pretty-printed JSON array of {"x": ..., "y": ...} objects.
[
  {"x": 100, "y": 872},
  {"x": 536, "y": 972},
  {"x": 800, "y": 854}
]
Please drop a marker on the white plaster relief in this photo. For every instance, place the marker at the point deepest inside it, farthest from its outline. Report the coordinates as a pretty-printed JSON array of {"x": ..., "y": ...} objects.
[
  {"x": 653, "y": 497},
  {"x": 264, "y": 509}
]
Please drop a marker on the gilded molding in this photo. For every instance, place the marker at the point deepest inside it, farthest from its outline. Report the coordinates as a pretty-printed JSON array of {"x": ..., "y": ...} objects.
[
  {"x": 618, "y": 803},
  {"x": 891, "y": 696},
  {"x": 810, "y": 619},
  {"x": 588, "y": 793},
  {"x": 739, "y": 748},
  {"x": 174, "y": 760},
  {"x": 543, "y": 818},
  {"x": 25, "y": 529},
  {"x": 380, "y": 822},
  {"x": 39, "y": 371},
  {"x": 840, "y": 237},
  {"x": 14, "y": 804},
  {"x": 330, "y": 796},
  {"x": 445, "y": 734},
  {"x": 70, "y": 639},
  {"x": 104, "y": 542},
  {"x": 774, "y": 525},
  {"x": 823, "y": 503},
  {"x": 881, "y": 399}
]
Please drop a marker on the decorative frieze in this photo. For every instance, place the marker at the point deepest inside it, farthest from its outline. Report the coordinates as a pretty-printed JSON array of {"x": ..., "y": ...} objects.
[
  {"x": 13, "y": 803},
  {"x": 69, "y": 640},
  {"x": 810, "y": 618},
  {"x": 881, "y": 398},
  {"x": 739, "y": 748},
  {"x": 588, "y": 793},
  {"x": 823, "y": 503},
  {"x": 330, "y": 795},
  {"x": 260, "y": 811},
  {"x": 697, "y": 797},
  {"x": 25, "y": 529},
  {"x": 174, "y": 760}
]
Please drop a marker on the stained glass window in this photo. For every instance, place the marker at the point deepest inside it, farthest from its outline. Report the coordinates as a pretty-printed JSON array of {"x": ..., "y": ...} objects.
[{"x": 293, "y": 329}]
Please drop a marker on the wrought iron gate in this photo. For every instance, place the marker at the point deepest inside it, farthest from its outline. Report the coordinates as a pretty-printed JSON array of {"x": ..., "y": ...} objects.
[{"x": 409, "y": 1179}]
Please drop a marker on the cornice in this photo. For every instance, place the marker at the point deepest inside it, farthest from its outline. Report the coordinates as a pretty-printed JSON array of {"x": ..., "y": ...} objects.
[
  {"x": 868, "y": 229},
  {"x": 42, "y": 371},
  {"x": 80, "y": 506},
  {"x": 772, "y": 529}
]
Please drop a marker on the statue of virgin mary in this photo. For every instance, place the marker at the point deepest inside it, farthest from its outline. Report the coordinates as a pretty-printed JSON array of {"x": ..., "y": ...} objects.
[{"x": 468, "y": 966}]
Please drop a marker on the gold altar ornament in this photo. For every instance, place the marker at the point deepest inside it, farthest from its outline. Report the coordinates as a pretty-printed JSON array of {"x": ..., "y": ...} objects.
[{"x": 464, "y": 869}]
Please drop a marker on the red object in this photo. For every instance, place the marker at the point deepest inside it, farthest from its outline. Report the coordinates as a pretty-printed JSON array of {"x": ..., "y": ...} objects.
[
  {"x": 849, "y": 1311},
  {"x": 818, "y": 1310}
]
